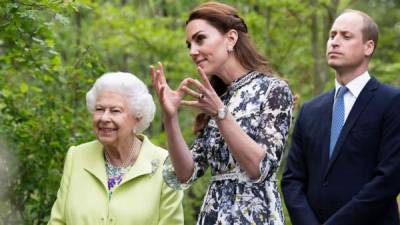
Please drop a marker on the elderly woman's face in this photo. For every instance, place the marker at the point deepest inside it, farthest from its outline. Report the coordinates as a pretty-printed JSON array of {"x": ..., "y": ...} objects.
[{"x": 113, "y": 121}]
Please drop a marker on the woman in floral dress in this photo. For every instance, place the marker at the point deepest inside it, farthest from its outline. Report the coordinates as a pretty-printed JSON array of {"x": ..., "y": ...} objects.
[{"x": 245, "y": 120}]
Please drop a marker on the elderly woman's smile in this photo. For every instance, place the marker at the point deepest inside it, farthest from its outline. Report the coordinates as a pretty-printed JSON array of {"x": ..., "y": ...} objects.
[{"x": 113, "y": 122}]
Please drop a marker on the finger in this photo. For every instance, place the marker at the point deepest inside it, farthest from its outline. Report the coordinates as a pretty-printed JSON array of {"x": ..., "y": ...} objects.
[
  {"x": 194, "y": 104},
  {"x": 192, "y": 92},
  {"x": 162, "y": 92},
  {"x": 152, "y": 75},
  {"x": 204, "y": 77},
  {"x": 183, "y": 83},
  {"x": 155, "y": 80},
  {"x": 160, "y": 70},
  {"x": 196, "y": 84}
]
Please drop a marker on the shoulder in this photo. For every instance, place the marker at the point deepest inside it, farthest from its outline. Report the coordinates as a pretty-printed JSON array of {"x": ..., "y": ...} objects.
[
  {"x": 386, "y": 89},
  {"x": 269, "y": 80},
  {"x": 263, "y": 84},
  {"x": 84, "y": 151},
  {"x": 316, "y": 106},
  {"x": 318, "y": 101},
  {"x": 153, "y": 151},
  {"x": 387, "y": 97},
  {"x": 85, "y": 148}
]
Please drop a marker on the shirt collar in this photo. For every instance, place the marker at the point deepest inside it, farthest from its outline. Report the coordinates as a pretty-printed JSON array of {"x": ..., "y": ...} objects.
[{"x": 356, "y": 85}]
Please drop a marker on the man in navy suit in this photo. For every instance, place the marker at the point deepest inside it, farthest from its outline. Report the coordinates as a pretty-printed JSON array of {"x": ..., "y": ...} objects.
[{"x": 343, "y": 167}]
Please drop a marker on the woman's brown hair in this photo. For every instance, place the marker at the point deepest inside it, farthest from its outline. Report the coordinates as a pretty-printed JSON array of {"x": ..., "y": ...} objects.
[{"x": 224, "y": 18}]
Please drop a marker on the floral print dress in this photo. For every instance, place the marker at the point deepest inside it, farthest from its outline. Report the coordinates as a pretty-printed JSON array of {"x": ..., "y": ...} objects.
[
  {"x": 114, "y": 175},
  {"x": 262, "y": 105}
]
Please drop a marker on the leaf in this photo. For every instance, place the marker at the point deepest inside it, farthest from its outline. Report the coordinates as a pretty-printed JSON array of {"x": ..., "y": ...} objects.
[
  {"x": 62, "y": 19},
  {"x": 6, "y": 93},
  {"x": 38, "y": 40},
  {"x": 23, "y": 87}
]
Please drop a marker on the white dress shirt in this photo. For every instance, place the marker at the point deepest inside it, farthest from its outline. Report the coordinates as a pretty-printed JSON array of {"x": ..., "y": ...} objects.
[{"x": 355, "y": 87}]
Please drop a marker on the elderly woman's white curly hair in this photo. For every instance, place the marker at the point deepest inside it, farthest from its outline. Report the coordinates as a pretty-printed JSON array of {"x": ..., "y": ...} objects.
[{"x": 140, "y": 101}]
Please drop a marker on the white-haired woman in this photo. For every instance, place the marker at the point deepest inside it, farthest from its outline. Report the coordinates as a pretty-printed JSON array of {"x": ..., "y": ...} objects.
[{"x": 117, "y": 179}]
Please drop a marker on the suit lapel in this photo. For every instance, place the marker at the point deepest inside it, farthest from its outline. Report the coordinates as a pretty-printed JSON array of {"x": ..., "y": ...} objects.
[
  {"x": 326, "y": 118},
  {"x": 362, "y": 101}
]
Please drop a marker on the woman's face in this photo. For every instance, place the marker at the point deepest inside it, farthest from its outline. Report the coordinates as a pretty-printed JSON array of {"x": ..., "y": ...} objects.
[
  {"x": 207, "y": 46},
  {"x": 113, "y": 122}
]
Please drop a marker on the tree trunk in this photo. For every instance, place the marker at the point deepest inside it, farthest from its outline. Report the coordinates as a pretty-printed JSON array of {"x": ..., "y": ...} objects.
[{"x": 315, "y": 50}]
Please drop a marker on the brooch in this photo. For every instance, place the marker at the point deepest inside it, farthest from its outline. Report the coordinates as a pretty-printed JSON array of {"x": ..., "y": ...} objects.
[{"x": 154, "y": 165}]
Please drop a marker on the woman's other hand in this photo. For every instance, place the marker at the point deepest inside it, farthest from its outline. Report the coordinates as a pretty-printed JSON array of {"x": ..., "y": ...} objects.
[{"x": 208, "y": 100}]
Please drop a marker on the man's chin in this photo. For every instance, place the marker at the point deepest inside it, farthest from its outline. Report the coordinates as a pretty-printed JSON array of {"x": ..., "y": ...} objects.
[{"x": 334, "y": 64}]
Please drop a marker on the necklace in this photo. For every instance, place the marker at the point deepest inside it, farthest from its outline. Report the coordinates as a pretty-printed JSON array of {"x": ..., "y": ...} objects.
[{"x": 130, "y": 157}]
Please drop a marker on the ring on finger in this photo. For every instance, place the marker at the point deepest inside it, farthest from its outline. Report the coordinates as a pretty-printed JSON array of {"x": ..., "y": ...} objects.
[{"x": 201, "y": 96}]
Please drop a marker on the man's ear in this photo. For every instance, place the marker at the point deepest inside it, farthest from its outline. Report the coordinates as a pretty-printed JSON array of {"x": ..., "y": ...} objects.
[{"x": 369, "y": 48}]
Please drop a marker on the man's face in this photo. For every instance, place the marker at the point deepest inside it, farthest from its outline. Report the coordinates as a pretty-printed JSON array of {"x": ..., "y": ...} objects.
[{"x": 345, "y": 48}]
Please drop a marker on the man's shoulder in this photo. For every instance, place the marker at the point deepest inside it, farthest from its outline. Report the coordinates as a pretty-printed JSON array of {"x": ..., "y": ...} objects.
[
  {"x": 388, "y": 89},
  {"x": 319, "y": 101}
]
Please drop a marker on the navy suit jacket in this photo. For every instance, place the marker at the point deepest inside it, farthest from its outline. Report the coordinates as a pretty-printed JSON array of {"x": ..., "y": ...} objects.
[{"x": 360, "y": 182}]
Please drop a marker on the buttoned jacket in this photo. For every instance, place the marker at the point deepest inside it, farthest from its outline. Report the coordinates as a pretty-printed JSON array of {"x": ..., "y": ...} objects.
[
  {"x": 142, "y": 198},
  {"x": 359, "y": 183}
]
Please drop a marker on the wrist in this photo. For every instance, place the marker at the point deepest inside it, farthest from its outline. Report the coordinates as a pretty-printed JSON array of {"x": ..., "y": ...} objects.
[
  {"x": 221, "y": 114},
  {"x": 170, "y": 118}
]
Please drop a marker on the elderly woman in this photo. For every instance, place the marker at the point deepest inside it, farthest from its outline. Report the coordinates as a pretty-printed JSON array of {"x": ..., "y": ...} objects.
[{"x": 117, "y": 179}]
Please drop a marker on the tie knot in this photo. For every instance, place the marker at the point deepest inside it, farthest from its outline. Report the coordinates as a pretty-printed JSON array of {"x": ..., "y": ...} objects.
[{"x": 342, "y": 90}]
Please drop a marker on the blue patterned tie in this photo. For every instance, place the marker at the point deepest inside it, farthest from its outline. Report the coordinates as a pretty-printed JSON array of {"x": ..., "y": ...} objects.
[{"x": 337, "y": 118}]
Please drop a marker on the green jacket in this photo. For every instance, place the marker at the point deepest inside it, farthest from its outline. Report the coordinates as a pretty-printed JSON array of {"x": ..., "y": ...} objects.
[{"x": 142, "y": 198}]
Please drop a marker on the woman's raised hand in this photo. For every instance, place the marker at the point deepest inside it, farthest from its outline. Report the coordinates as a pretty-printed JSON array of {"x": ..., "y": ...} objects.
[
  {"x": 208, "y": 100},
  {"x": 169, "y": 99}
]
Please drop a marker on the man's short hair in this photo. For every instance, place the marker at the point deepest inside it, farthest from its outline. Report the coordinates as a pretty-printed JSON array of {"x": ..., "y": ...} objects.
[{"x": 370, "y": 30}]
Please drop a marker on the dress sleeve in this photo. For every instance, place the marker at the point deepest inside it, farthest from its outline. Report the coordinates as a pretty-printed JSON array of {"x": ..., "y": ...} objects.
[
  {"x": 171, "y": 210},
  {"x": 273, "y": 129},
  {"x": 57, "y": 216},
  {"x": 199, "y": 155}
]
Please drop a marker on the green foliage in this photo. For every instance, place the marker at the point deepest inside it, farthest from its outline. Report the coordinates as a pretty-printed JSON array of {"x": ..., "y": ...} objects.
[
  {"x": 52, "y": 51},
  {"x": 40, "y": 116}
]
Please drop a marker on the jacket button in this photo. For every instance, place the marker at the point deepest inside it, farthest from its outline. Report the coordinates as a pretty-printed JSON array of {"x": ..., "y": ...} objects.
[{"x": 325, "y": 184}]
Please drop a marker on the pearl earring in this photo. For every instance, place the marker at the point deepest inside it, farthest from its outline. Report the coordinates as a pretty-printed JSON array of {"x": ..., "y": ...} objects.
[{"x": 230, "y": 49}]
